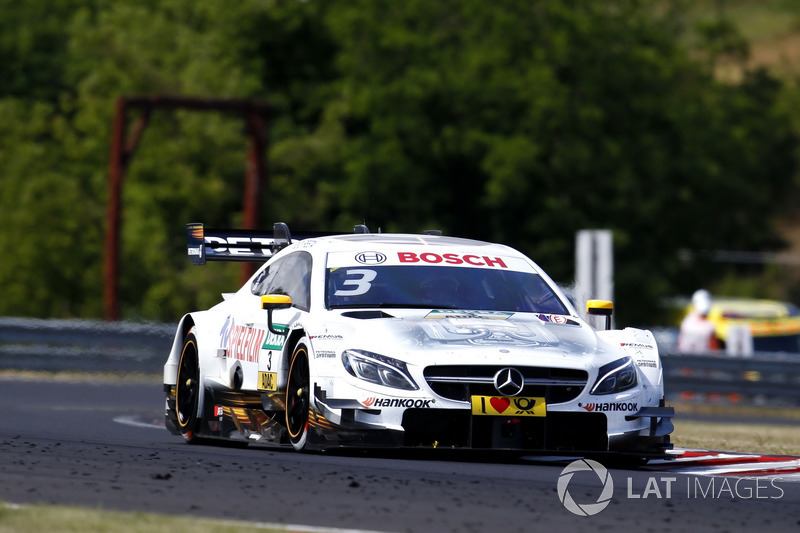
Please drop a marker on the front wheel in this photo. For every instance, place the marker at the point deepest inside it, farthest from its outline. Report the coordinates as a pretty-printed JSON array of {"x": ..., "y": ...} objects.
[
  {"x": 187, "y": 389},
  {"x": 298, "y": 400}
]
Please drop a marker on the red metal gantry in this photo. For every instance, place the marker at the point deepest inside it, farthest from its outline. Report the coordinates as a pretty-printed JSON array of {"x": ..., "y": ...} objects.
[{"x": 256, "y": 114}]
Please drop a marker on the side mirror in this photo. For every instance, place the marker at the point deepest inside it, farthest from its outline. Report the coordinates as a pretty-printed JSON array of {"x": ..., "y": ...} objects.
[
  {"x": 270, "y": 302},
  {"x": 601, "y": 308}
]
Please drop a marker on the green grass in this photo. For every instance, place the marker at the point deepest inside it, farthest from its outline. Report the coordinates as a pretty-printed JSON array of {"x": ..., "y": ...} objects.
[
  {"x": 727, "y": 434},
  {"x": 760, "y": 438},
  {"x": 60, "y": 519}
]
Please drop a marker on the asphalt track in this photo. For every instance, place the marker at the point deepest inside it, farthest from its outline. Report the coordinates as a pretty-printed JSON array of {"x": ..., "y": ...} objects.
[{"x": 103, "y": 446}]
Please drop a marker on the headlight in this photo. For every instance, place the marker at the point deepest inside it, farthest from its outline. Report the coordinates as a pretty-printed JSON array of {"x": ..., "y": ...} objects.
[
  {"x": 616, "y": 376},
  {"x": 378, "y": 369}
]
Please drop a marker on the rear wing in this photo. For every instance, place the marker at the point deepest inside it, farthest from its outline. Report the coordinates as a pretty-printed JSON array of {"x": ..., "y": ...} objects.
[{"x": 211, "y": 244}]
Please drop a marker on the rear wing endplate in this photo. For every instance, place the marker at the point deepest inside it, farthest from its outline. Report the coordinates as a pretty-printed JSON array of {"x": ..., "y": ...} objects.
[{"x": 211, "y": 244}]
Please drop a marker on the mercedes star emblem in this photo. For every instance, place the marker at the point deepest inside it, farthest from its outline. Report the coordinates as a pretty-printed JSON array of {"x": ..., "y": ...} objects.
[{"x": 509, "y": 381}]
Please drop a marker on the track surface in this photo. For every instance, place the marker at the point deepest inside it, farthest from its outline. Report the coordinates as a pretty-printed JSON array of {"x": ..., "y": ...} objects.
[{"x": 99, "y": 446}]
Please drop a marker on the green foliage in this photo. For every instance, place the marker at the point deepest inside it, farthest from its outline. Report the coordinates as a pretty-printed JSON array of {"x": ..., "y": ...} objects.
[
  {"x": 520, "y": 122},
  {"x": 524, "y": 123},
  {"x": 722, "y": 39},
  {"x": 33, "y": 48},
  {"x": 49, "y": 218}
]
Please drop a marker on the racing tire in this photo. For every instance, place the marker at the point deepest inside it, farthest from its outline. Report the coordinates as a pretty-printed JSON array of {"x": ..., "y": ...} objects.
[
  {"x": 187, "y": 390},
  {"x": 298, "y": 400}
]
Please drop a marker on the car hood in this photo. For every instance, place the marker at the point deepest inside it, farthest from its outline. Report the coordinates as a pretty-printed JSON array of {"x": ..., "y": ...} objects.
[{"x": 413, "y": 334}]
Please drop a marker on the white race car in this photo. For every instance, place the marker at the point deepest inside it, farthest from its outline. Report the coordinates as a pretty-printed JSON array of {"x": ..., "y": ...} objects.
[{"x": 397, "y": 340}]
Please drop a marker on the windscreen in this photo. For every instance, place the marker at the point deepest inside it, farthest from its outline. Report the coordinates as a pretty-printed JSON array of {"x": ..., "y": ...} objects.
[{"x": 419, "y": 286}]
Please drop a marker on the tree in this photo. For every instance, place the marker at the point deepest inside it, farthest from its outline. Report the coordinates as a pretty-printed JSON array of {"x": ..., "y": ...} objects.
[
  {"x": 525, "y": 122},
  {"x": 519, "y": 122}
]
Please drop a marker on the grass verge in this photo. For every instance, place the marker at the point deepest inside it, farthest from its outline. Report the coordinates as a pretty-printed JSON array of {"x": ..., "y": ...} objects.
[
  {"x": 61, "y": 519},
  {"x": 717, "y": 427},
  {"x": 765, "y": 439}
]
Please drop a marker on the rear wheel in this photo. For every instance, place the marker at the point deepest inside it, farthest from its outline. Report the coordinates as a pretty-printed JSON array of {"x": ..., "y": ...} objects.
[
  {"x": 298, "y": 401},
  {"x": 187, "y": 389}
]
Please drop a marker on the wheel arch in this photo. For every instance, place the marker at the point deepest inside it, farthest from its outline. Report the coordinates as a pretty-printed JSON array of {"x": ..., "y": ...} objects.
[
  {"x": 291, "y": 343},
  {"x": 171, "y": 366},
  {"x": 198, "y": 322}
]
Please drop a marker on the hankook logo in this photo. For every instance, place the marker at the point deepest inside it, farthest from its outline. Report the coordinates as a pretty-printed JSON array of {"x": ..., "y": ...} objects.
[
  {"x": 509, "y": 381},
  {"x": 370, "y": 258}
]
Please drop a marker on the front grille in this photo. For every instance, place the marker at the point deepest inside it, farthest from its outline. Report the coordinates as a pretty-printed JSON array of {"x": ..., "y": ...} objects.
[{"x": 459, "y": 382}]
